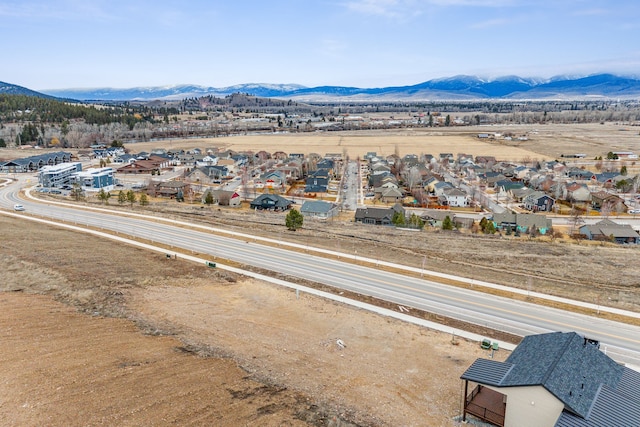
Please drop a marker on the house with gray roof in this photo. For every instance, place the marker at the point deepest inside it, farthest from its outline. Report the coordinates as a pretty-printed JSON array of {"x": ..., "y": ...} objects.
[
  {"x": 34, "y": 163},
  {"x": 538, "y": 201},
  {"x": 378, "y": 216},
  {"x": 272, "y": 202},
  {"x": 558, "y": 379},
  {"x": 522, "y": 222},
  {"x": 318, "y": 209},
  {"x": 608, "y": 230}
]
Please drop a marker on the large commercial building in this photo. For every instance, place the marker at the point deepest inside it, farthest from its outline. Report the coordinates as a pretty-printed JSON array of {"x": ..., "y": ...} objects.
[
  {"x": 94, "y": 179},
  {"x": 57, "y": 176}
]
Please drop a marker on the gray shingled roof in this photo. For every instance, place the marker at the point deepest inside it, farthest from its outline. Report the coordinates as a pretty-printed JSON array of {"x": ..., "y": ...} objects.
[
  {"x": 595, "y": 390},
  {"x": 610, "y": 409},
  {"x": 316, "y": 206},
  {"x": 567, "y": 367},
  {"x": 486, "y": 371},
  {"x": 610, "y": 228}
]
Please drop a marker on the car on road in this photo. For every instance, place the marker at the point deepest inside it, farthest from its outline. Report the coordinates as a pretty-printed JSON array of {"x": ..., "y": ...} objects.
[{"x": 18, "y": 207}]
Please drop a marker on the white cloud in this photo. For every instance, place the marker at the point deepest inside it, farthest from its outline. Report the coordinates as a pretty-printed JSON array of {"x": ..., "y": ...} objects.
[
  {"x": 377, "y": 7},
  {"x": 68, "y": 10},
  {"x": 472, "y": 3},
  {"x": 407, "y": 9},
  {"x": 489, "y": 24}
]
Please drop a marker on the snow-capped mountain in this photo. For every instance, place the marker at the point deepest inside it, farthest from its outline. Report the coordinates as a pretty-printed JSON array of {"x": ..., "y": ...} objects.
[{"x": 605, "y": 86}]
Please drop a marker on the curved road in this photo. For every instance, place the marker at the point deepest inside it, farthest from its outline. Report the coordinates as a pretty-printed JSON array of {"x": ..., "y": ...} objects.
[{"x": 622, "y": 342}]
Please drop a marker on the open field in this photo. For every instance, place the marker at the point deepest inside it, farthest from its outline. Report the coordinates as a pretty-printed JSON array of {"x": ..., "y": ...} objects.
[
  {"x": 195, "y": 346},
  {"x": 544, "y": 141}
]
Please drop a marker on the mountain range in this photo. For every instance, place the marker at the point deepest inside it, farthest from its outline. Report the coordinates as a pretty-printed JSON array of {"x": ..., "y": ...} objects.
[{"x": 592, "y": 87}]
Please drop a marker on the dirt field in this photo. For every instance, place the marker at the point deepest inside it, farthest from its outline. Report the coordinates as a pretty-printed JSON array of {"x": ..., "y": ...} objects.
[
  {"x": 191, "y": 346},
  {"x": 543, "y": 142}
]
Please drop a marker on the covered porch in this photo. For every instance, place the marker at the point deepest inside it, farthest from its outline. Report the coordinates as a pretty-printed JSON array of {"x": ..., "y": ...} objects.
[{"x": 484, "y": 403}]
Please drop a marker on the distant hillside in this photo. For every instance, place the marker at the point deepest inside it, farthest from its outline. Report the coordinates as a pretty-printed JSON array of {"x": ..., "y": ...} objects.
[
  {"x": 10, "y": 89},
  {"x": 604, "y": 86},
  {"x": 177, "y": 92}
]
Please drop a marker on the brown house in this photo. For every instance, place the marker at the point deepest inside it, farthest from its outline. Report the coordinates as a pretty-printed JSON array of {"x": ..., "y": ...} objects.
[
  {"x": 169, "y": 189},
  {"x": 153, "y": 165},
  {"x": 602, "y": 200}
]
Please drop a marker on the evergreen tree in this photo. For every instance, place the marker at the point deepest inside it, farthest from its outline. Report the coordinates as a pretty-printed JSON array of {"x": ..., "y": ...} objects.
[
  {"x": 294, "y": 220},
  {"x": 122, "y": 197},
  {"x": 104, "y": 196},
  {"x": 399, "y": 219},
  {"x": 208, "y": 199},
  {"x": 144, "y": 200},
  {"x": 447, "y": 224},
  {"x": 131, "y": 197},
  {"x": 416, "y": 222}
]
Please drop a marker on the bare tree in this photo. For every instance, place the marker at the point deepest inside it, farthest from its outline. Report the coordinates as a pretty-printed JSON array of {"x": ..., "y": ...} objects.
[{"x": 575, "y": 219}]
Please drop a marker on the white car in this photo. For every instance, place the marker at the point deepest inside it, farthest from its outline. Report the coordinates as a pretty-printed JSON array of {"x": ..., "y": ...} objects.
[
  {"x": 18, "y": 207},
  {"x": 634, "y": 211}
]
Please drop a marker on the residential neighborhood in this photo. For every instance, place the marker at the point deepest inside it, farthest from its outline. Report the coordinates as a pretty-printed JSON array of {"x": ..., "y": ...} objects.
[{"x": 517, "y": 198}]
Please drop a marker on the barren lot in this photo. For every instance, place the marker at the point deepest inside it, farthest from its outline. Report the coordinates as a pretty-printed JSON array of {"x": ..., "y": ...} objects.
[
  {"x": 192, "y": 346},
  {"x": 543, "y": 142}
]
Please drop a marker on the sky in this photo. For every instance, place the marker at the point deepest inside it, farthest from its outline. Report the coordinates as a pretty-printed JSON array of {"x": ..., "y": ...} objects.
[{"x": 62, "y": 44}]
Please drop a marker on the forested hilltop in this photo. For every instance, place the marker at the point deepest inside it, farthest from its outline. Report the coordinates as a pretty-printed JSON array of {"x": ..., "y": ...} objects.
[{"x": 46, "y": 122}]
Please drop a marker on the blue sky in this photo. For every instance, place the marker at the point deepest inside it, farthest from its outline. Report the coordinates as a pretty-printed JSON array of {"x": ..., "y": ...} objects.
[{"x": 53, "y": 44}]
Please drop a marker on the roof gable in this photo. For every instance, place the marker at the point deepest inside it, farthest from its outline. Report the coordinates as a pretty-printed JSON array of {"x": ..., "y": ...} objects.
[{"x": 566, "y": 365}]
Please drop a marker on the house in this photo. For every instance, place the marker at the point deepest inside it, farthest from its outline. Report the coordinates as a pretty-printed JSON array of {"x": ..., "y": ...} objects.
[
  {"x": 272, "y": 179},
  {"x": 206, "y": 160},
  {"x": 34, "y": 163},
  {"x": 455, "y": 197},
  {"x": 318, "y": 209},
  {"x": 380, "y": 168},
  {"x": 522, "y": 222},
  {"x": 607, "y": 230},
  {"x": 171, "y": 189},
  {"x": 224, "y": 198},
  {"x": 538, "y": 201},
  {"x": 608, "y": 202},
  {"x": 607, "y": 179},
  {"x": 272, "y": 202},
  {"x": 578, "y": 193},
  {"x": 378, "y": 216},
  {"x": 559, "y": 379},
  {"x": 435, "y": 218},
  {"x": 316, "y": 184},
  {"x": 207, "y": 174},
  {"x": 280, "y": 156},
  {"x": 486, "y": 160},
  {"x": 390, "y": 195},
  {"x": 578, "y": 174},
  {"x": 150, "y": 165},
  {"x": 440, "y": 187}
]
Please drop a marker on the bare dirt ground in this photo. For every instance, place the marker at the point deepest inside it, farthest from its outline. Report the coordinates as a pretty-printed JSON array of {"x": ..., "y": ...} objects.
[
  {"x": 120, "y": 336},
  {"x": 543, "y": 141}
]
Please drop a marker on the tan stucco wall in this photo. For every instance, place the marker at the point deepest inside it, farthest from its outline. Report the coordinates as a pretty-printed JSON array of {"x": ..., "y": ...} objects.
[{"x": 530, "y": 407}]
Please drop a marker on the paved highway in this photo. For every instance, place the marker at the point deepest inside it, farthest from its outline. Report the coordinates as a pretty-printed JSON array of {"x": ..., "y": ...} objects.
[{"x": 621, "y": 341}]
